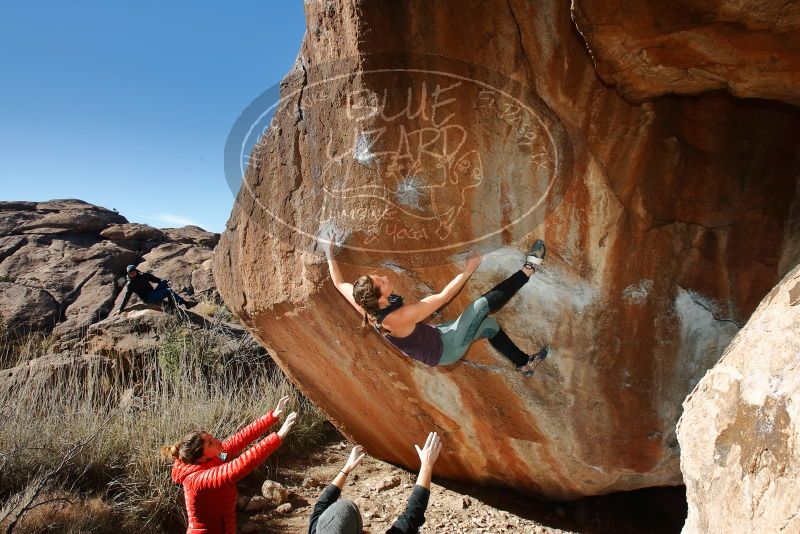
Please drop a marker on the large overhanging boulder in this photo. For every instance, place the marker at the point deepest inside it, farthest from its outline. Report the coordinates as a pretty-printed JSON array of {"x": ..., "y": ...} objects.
[
  {"x": 651, "y": 47},
  {"x": 740, "y": 428},
  {"x": 667, "y": 223}
]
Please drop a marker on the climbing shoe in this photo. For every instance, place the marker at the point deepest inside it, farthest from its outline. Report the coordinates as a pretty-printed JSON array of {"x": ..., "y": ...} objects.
[
  {"x": 536, "y": 255},
  {"x": 189, "y": 304},
  {"x": 529, "y": 368}
]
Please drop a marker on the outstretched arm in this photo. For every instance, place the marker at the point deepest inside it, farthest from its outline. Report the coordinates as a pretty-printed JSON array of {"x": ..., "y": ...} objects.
[
  {"x": 345, "y": 288},
  {"x": 237, "y": 442},
  {"x": 125, "y": 299},
  {"x": 419, "y": 311},
  {"x": 332, "y": 492},
  {"x": 233, "y": 471},
  {"x": 414, "y": 515}
]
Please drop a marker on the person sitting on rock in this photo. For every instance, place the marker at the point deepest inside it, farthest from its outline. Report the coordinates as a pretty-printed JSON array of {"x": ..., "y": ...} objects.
[
  {"x": 208, "y": 470},
  {"x": 443, "y": 344},
  {"x": 332, "y": 516},
  {"x": 140, "y": 283}
]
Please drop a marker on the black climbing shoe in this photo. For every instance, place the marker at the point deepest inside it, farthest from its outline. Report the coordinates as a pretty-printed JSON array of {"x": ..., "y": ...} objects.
[
  {"x": 189, "y": 304},
  {"x": 526, "y": 370},
  {"x": 536, "y": 255}
]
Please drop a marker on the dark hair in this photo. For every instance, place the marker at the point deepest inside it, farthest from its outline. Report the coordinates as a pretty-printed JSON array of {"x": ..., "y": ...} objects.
[
  {"x": 188, "y": 450},
  {"x": 366, "y": 294}
]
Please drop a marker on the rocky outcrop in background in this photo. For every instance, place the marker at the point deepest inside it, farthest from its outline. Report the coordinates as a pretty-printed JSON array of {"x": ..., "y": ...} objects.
[
  {"x": 62, "y": 263},
  {"x": 419, "y": 130},
  {"x": 62, "y": 266},
  {"x": 740, "y": 429}
]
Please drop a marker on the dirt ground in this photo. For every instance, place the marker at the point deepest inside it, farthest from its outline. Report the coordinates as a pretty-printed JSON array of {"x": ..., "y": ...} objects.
[{"x": 381, "y": 491}]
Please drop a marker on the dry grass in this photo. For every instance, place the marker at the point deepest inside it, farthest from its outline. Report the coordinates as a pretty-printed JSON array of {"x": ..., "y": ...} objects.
[
  {"x": 17, "y": 349},
  {"x": 132, "y": 420}
]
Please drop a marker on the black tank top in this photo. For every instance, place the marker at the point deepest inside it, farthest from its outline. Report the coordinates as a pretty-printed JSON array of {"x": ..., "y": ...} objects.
[{"x": 423, "y": 344}]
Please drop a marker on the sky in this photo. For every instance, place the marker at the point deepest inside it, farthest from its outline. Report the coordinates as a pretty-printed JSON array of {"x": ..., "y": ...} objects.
[{"x": 127, "y": 105}]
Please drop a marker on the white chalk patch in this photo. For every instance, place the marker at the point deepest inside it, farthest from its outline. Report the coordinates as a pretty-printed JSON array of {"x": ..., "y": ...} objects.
[
  {"x": 410, "y": 192},
  {"x": 549, "y": 290},
  {"x": 393, "y": 266},
  {"x": 326, "y": 228},
  {"x": 362, "y": 151},
  {"x": 637, "y": 294},
  {"x": 540, "y": 307},
  {"x": 440, "y": 391},
  {"x": 703, "y": 338}
]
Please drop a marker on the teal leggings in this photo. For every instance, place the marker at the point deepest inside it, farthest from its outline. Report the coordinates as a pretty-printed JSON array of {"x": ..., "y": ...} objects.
[
  {"x": 475, "y": 323},
  {"x": 472, "y": 324}
]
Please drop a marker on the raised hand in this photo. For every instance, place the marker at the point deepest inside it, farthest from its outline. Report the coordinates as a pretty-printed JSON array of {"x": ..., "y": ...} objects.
[
  {"x": 356, "y": 455},
  {"x": 280, "y": 407},
  {"x": 430, "y": 452},
  {"x": 287, "y": 425},
  {"x": 473, "y": 261},
  {"x": 331, "y": 243}
]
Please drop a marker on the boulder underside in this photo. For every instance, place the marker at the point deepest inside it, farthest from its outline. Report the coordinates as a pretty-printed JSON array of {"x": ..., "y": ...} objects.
[{"x": 667, "y": 222}]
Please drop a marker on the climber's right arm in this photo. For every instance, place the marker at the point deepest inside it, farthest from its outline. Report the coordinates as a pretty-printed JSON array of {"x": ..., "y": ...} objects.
[{"x": 345, "y": 288}]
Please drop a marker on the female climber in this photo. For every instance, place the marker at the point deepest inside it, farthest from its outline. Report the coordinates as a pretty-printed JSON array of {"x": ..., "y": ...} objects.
[
  {"x": 208, "y": 470},
  {"x": 446, "y": 343}
]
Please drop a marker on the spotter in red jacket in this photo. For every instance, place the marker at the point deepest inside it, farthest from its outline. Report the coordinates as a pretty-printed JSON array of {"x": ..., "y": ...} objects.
[{"x": 210, "y": 488}]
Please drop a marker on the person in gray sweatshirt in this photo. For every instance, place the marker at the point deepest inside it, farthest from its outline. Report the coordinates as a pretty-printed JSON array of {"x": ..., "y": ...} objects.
[{"x": 334, "y": 516}]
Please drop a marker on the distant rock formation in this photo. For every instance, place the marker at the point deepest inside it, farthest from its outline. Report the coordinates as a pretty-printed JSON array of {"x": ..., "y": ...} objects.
[
  {"x": 62, "y": 263},
  {"x": 419, "y": 130},
  {"x": 740, "y": 429}
]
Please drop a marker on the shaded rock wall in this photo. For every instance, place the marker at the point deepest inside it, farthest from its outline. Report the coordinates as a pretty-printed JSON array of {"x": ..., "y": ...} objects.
[
  {"x": 648, "y": 48},
  {"x": 739, "y": 431},
  {"x": 666, "y": 223}
]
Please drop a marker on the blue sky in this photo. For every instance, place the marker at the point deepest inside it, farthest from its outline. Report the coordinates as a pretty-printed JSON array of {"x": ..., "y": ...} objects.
[{"x": 128, "y": 104}]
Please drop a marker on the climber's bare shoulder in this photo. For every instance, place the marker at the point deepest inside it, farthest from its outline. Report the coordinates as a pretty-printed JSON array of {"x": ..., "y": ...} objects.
[{"x": 402, "y": 321}]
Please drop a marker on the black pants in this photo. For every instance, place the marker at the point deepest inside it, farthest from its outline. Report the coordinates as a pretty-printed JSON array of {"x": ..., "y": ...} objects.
[
  {"x": 474, "y": 323},
  {"x": 497, "y": 298}
]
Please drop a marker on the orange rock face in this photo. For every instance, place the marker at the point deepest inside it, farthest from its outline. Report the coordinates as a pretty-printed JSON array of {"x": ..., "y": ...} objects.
[
  {"x": 420, "y": 130},
  {"x": 651, "y": 47}
]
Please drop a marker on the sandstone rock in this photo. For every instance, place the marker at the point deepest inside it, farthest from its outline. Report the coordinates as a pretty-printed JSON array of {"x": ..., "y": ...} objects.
[
  {"x": 192, "y": 235},
  {"x": 79, "y": 272},
  {"x": 39, "y": 372},
  {"x": 178, "y": 262},
  {"x": 69, "y": 216},
  {"x": 284, "y": 509},
  {"x": 274, "y": 493},
  {"x": 739, "y": 431},
  {"x": 203, "y": 280},
  {"x": 14, "y": 214},
  {"x": 388, "y": 483},
  {"x": 66, "y": 260},
  {"x": 313, "y": 482},
  {"x": 130, "y": 334},
  {"x": 140, "y": 237},
  {"x": 26, "y": 309},
  {"x": 256, "y": 504},
  {"x": 651, "y": 48},
  {"x": 646, "y": 209}
]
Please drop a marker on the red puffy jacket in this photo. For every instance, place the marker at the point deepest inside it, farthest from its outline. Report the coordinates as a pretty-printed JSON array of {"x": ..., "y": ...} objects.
[{"x": 210, "y": 487}]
